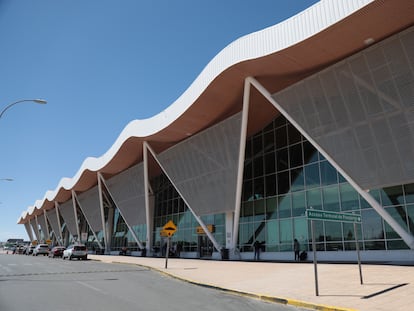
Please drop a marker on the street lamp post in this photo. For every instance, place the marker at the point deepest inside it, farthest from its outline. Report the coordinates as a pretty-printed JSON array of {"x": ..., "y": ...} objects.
[{"x": 37, "y": 101}]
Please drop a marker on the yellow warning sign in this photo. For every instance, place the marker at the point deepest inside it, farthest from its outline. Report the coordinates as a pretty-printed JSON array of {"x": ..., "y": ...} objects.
[{"x": 169, "y": 229}]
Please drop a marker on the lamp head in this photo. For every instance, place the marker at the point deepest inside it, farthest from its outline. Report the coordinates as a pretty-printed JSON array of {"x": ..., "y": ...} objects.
[{"x": 40, "y": 101}]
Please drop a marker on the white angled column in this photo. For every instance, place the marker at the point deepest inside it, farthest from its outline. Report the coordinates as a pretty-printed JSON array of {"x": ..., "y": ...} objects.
[{"x": 240, "y": 170}]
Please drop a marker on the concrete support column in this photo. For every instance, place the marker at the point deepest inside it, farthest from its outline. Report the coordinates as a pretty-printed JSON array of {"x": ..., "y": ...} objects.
[
  {"x": 229, "y": 230},
  {"x": 29, "y": 230},
  {"x": 109, "y": 228},
  {"x": 101, "y": 205}
]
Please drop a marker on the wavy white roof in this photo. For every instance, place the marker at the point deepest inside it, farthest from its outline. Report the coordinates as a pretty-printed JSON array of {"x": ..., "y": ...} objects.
[{"x": 304, "y": 32}]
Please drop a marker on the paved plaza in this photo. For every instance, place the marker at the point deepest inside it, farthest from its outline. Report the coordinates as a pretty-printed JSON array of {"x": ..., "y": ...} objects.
[{"x": 385, "y": 287}]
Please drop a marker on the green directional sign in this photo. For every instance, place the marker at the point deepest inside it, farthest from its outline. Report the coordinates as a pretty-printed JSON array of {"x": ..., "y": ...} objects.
[{"x": 332, "y": 216}]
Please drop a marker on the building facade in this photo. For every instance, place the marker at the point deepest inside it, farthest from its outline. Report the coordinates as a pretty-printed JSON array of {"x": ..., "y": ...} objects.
[{"x": 331, "y": 132}]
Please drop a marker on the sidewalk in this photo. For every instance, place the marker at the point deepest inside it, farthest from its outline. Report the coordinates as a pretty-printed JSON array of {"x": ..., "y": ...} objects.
[{"x": 386, "y": 287}]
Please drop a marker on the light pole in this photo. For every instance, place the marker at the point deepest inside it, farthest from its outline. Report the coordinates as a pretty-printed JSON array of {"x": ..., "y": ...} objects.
[{"x": 37, "y": 101}]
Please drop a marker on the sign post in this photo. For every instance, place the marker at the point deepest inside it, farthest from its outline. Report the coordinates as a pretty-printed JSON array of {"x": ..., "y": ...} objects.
[
  {"x": 315, "y": 263},
  {"x": 168, "y": 231},
  {"x": 357, "y": 248},
  {"x": 313, "y": 215},
  {"x": 167, "y": 252}
]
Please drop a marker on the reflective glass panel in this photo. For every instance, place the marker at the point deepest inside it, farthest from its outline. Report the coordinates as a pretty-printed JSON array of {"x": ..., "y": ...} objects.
[
  {"x": 258, "y": 185},
  {"x": 282, "y": 160},
  {"x": 270, "y": 163},
  {"x": 284, "y": 203},
  {"x": 372, "y": 225},
  {"x": 333, "y": 231},
  {"x": 298, "y": 179},
  {"x": 283, "y": 184},
  {"x": 314, "y": 199},
  {"x": 294, "y": 135},
  {"x": 295, "y": 155},
  {"x": 331, "y": 199},
  {"x": 271, "y": 185},
  {"x": 257, "y": 145},
  {"x": 410, "y": 212},
  {"x": 271, "y": 208},
  {"x": 328, "y": 173},
  {"x": 269, "y": 141},
  {"x": 409, "y": 193},
  {"x": 281, "y": 137},
  {"x": 349, "y": 197},
  {"x": 258, "y": 166},
  {"x": 298, "y": 204},
  {"x": 272, "y": 232},
  {"x": 310, "y": 154},
  {"x": 392, "y": 196},
  {"x": 400, "y": 215},
  {"x": 286, "y": 231},
  {"x": 300, "y": 232}
]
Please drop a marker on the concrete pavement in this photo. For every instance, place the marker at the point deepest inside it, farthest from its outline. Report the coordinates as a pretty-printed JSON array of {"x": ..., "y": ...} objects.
[{"x": 384, "y": 288}]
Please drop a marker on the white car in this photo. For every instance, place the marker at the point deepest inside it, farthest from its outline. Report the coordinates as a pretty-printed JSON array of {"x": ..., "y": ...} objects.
[
  {"x": 41, "y": 249},
  {"x": 75, "y": 251}
]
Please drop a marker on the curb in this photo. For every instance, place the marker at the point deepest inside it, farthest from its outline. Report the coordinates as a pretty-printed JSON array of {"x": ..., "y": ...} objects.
[{"x": 273, "y": 299}]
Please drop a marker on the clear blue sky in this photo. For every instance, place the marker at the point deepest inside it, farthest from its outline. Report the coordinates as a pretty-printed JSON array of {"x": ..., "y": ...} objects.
[{"x": 100, "y": 64}]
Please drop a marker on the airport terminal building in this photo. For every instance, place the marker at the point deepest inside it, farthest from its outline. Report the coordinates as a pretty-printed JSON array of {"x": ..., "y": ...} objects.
[{"x": 314, "y": 113}]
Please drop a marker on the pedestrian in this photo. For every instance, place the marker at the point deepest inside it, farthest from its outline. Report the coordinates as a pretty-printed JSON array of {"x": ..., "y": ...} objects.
[
  {"x": 296, "y": 248},
  {"x": 179, "y": 249},
  {"x": 257, "y": 246}
]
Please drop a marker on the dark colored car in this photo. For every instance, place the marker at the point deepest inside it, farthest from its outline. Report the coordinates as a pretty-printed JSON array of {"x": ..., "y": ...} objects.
[{"x": 56, "y": 251}]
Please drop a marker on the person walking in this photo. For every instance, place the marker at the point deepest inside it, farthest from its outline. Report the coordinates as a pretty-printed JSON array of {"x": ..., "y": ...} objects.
[
  {"x": 296, "y": 249},
  {"x": 257, "y": 245}
]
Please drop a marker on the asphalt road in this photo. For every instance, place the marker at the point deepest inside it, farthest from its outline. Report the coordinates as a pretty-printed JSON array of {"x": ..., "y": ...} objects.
[{"x": 41, "y": 283}]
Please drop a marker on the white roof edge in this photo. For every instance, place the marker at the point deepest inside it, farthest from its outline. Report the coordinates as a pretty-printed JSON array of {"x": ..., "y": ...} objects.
[{"x": 295, "y": 29}]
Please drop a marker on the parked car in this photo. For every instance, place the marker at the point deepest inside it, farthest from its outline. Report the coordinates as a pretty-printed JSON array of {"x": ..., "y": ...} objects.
[
  {"x": 41, "y": 249},
  {"x": 30, "y": 249},
  {"x": 20, "y": 249},
  {"x": 56, "y": 251},
  {"x": 75, "y": 251}
]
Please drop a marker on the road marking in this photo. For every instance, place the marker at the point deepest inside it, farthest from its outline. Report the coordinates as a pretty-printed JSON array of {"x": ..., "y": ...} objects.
[
  {"x": 92, "y": 287},
  {"x": 12, "y": 264}
]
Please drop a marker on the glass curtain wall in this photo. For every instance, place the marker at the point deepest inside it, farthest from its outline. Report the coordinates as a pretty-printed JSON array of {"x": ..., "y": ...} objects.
[
  {"x": 284, "y": 175},
  {"x": 170, "y": 206}
]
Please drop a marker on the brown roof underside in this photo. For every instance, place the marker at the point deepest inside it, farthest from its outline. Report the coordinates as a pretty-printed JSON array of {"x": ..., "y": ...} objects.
[{"x": 224, "y": 96}]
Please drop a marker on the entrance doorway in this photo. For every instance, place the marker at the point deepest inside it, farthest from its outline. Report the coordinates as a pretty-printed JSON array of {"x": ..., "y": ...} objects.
[{"x": 205, "y": 247}]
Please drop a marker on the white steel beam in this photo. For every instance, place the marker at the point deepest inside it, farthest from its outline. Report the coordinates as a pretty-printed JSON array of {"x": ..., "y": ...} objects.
[
  {"x": 29, "y": 231},
  {"x": 37, "y": 229},
  {"x": 46, "y": 225},
  {"x": 76, "y": 216},
  {"x": 240, "y": 170},
  {"x": 61, "y": 242},
  {"x": 101, "y": 205},
  {"x": 147, "y": 191}
]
